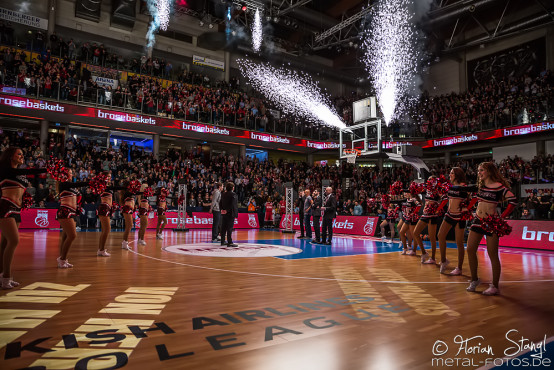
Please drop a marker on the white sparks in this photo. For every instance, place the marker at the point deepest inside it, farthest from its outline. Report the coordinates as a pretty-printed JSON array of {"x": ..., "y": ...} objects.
[
  {"x": 164, "y": 9},
  {"x": 160, "y": 10},
  {"x": 257, "y": 32},
  {"x": 294, "y": 93},
  {"x": 391, "y": 55}
]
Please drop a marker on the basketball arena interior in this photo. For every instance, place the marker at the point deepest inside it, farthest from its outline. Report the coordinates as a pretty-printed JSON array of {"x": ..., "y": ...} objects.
[{"x": 276, "y": 184}]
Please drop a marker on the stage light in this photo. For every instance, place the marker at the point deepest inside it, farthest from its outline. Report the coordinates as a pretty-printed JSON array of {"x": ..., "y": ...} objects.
[
  {"x": 244, "y": 8},
  {"x": 201, "y": 23},
  {"x": 276, "y": 19},
  {"x": 211, "y": 25}
]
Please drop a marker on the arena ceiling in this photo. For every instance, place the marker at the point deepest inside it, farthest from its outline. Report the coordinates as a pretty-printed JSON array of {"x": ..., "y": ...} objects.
[{"x": 331, "y": 28}]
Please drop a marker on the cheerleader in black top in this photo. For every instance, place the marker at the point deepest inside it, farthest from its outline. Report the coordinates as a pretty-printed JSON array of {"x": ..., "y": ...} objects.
[
  {"x": 390, "y": 220},
  {"x": 405, "y": 232},
  {"x": 414, "y": 205},
  {"x": 127, "y": 211},
  {"x": 457, "y": 194},
  {"x": 493, "y": 189},
  {"x": 162, "y": 208},
  {"x": 143, "y": 214},
  {"x": 69, "y": 192},
  {"x": 428, "y": 220},
  {"x": 105, "y": 215},
  {"x": 13, "y": 182}
]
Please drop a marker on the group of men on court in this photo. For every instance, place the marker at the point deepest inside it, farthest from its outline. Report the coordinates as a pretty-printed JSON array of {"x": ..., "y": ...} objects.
[
  {"x": 224, "y": 208},
  {"x": 317, "y": 207}
]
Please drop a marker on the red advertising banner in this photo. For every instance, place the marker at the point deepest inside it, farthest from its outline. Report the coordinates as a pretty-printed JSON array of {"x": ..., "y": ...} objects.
[
  {"x": 22, "y": 102},
  {"x": 36, "y": 218},
  {"x": 493, "y": 134},
  {"x": 529, "y": 234},
  {"x": 354, "y": 225},
  {"x": 203, "y": 220},
  {"x": 46, "y": 219}
]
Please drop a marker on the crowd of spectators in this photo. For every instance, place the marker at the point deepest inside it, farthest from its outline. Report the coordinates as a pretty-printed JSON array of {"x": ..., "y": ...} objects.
[
  {"x": 256, "y": 182},
  {"x": 504, "y": 102},
  {"x": 191, "y": 96}
]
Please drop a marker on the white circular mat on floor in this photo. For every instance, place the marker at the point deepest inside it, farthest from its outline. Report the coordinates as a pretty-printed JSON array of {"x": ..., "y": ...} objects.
[{"x": 243, "y": 250}]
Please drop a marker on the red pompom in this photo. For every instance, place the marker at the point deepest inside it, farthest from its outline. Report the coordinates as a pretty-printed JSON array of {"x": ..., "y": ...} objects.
[
  {"x": 56, "y": 168},
  {"x": 385, "y": 200},
  {"x": 396, "y": 188},
  {"x": 496, "y": 225},
  {"x": 163, "y": 194},
  {"x": 115, "y": 206},
  {"x": 371, "y": 203},
  {"x": 430, "y": 208},
  {"x": 467, "y": 215},
  {"x": 134, "y": 187},
  {"x": 28, "y": 200},
  {"x": 98, "y": 184},
  {"x": 416, "y": 187},
  {"x": 148, "y": 192}
]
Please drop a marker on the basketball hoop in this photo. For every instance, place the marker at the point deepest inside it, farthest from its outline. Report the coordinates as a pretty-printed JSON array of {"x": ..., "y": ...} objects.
[{"x": 351, "y": 155}]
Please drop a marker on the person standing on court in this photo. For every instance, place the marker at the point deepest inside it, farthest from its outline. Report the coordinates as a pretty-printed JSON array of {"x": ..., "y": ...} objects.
[
  {"x": 300, "y": 205},
  {"x": 316, "y": 214},
  {"x": 229, "y": 208},
  {"x": 329, "y": 213},
  {"x": 308, "y": 203},
  {"x": 215, "y": 211}
]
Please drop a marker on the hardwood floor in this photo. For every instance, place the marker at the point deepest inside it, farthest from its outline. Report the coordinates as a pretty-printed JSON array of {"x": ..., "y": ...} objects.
[{"x": 361, "y": 305}]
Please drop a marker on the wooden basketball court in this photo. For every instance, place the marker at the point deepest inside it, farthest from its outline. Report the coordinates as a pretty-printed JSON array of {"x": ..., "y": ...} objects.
[{"x": 274, "y": 303}]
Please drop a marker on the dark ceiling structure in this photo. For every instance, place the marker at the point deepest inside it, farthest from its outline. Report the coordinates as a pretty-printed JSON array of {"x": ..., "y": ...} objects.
[{"x": 331, "y": 29}]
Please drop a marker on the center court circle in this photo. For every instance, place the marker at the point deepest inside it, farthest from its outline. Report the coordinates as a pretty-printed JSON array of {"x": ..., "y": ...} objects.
[{"x": 243, "y": 250}]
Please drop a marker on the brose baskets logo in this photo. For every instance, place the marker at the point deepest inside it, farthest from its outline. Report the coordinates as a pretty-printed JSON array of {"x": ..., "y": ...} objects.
[{"x": 42, "y": 218}]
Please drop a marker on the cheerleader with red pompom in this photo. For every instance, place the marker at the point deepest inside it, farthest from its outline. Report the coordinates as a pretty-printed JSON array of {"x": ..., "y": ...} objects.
[
  {"x": 457, "y": 192},
  {"x": 128, "y": 196},
  {"x": 493, "y": 189},
  {"x": 100, "y": 184},
  {"x": 429, "y": 219},
  {"x": 392, "y": 209},
  {"x": 13, "y": 182},
  {"x": 414, "y": 205},
  {"x": 162, "y": 208},
  {"x": 67, "y": 212},
  {"x": 409, "y": 208},
  {"x": 143, "y": 210}
]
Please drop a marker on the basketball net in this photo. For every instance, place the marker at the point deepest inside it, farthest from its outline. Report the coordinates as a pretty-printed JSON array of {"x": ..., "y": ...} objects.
[{"x": 351, "y": 158}]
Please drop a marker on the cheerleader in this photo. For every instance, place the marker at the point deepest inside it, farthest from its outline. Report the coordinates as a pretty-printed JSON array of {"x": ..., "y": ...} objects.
[
  {"x": 13, "y": 182},
  {"x": 457, "y": 194},
  {"x": 66, "y": 214},
  {"x": 390, "y": 220},
  {"x": 429, "y": 220},
  {"x": 404, "y": 224},
  {"x": 104, "y": 212},
  {"x": 492, "y": 190},
  {"x": 143, "y": 214},
  {"x": 127, "y": 211},
  {"x": 162, "y": 208},
  {"x": 414, "y": 206}
]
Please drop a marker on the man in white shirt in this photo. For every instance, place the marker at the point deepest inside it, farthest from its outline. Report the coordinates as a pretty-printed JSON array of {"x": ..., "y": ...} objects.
[{"x": 215, "y": 210}]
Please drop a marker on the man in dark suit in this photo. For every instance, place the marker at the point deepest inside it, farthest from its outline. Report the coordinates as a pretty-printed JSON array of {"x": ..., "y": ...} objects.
[
  {"x": 329, "y": 213},
  {"x": 229, "y": 211},
  {"x": 316, "y": 212},
  {"x": 300, "y": 204}
]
